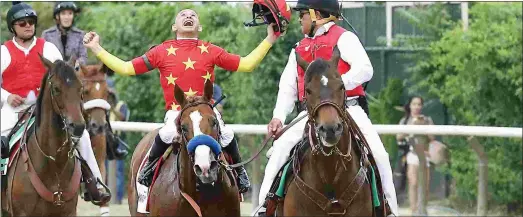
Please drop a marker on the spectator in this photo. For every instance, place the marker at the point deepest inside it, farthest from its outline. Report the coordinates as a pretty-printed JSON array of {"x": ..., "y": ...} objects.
[
  {"x": 66, "y": 37},
  {"x": 217, "y": 95},
  {"x": 119, "y": 112},
  {"x": 413, "y": 115}
]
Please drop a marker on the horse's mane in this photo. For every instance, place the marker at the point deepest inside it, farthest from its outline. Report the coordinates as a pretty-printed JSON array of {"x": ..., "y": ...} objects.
[{"x": 64, "y": 72}]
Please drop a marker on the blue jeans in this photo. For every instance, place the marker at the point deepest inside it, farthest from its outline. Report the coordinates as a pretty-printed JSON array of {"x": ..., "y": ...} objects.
[{"x": 120, "y": 179}]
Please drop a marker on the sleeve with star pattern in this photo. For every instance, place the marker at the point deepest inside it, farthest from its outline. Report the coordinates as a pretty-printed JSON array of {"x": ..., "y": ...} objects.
[{"x": 138, "y": 65}]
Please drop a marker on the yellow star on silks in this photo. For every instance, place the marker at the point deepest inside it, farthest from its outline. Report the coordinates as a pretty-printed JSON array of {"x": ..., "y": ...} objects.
[
  {"x": 171, "y": 50},
  {"x": 191, "y": 92},
  {"x": 170, "y": 79},
  {"x": 203, "y": 49},
  {"x": 207, "y": 76},
  {"x": 174, "y": 106},
  {"x": 189, "y": 64}
]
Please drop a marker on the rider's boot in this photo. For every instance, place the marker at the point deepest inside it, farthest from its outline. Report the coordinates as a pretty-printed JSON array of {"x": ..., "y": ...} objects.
[
  {"x": 146, "y": 174},
  {"x": 243, "y": 179},
  {"x": 5, "y": 147},
  {"x": 91, "y": 173}
]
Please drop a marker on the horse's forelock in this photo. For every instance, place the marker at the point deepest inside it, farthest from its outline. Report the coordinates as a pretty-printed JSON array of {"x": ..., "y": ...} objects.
[
  {"x": 316, "y": 68},
  {"x": 66, "y": 73}
]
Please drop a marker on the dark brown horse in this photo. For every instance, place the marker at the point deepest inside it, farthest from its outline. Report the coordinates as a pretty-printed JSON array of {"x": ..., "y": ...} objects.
[
  {"x": 177, "y": 181},
  {"x": 331, "y": 177},
  {"x": 95, "y": 93},
  {"x": 45, "y": 177}
]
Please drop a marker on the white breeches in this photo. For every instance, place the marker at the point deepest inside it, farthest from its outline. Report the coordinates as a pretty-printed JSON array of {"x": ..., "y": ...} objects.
[
  {"x": 10, "y": 117},
  {"x": 282, "y": 147},
  {"x": 86, "y": 151},
  {"x": 168, "y": 132}
]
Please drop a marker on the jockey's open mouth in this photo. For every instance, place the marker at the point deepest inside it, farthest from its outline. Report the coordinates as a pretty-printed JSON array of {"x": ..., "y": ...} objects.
[{"x": 188, "y": 22}]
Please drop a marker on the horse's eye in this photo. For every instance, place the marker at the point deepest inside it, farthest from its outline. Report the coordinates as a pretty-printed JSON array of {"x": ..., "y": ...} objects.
[
  {"x": 342, "y": 86},
  {"x": 85, "y": 92},
  {"x": 308, "y": 90},
  {"x": 185, "y": 129},
  {"x": 214, "y": 123},
  {"x": 56, "y": 90}
]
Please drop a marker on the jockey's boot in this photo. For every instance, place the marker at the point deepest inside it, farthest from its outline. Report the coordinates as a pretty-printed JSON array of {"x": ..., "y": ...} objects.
[
  {"x": 243, "y": 179},
  {"x": 120, "y": 151},
  {"x": 146, "y": 174},
  {"x": 5, "y": 147},
  {"x": 95, "y": 194}
]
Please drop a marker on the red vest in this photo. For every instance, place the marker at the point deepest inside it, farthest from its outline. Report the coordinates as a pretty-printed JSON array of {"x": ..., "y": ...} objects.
[
  {"x": 24, "y": 73},
  {"x": 322, "y": 46}
]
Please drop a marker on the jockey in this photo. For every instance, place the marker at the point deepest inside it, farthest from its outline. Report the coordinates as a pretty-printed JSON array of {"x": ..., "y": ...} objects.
[
  {"x": 321, "y": 36},
  {"x": 187, "y": 62},
  {"x": 22, "y": 72},
  {"x": 66, "y": 37}
]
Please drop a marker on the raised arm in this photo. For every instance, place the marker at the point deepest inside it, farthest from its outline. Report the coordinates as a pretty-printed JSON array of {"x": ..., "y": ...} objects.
[{"x": 138, "y": 65}]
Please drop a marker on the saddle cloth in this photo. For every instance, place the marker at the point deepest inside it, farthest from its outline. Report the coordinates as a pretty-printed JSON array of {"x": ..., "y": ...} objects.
[
  {"x": 14, "y": 145},
  {"x": 142, "y": 191}
]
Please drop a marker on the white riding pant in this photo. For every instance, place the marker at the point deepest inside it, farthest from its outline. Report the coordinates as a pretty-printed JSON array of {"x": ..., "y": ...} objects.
[
  {"x": 281, "y": 149},
  {"x": 10, "y": 117},
  {"x": 168, "y": 132}
]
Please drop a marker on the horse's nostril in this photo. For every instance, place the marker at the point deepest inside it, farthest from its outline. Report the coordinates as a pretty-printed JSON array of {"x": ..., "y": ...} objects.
[
  {"x": 214, "y": 165},
  {"x": 339, "y": 127},
  {"x": 197, "y": 170}
]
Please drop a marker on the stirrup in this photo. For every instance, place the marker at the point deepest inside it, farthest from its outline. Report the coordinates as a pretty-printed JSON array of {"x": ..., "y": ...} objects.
[{"x": 99, "y": 203}]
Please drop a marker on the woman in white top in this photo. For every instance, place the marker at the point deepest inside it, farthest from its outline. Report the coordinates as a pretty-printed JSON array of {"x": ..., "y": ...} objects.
[{"x": 413, "y": 115}]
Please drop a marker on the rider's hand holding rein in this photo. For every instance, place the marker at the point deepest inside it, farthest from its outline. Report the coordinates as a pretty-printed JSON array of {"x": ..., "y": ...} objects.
[{"x": 275, "y": 127}]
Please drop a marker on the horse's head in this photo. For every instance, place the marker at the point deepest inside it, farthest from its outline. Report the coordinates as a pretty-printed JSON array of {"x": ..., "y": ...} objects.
[
  {"x": 95, "y": 93},
  {"x": 199, "y": 128},
  {"x": 325, "y": 95},
  {"x": 65, "y": 91}
]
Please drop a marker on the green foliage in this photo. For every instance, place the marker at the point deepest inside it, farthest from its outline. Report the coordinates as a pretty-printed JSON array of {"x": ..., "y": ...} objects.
[
  {"x": 382, "y": 111},
  {"x": 477, "y": 75}
]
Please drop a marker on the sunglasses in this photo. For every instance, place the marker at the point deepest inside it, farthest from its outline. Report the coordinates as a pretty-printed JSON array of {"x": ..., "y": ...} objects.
[
  {"x": 303, "y": 13},
  {"x": 23, "y": 23}
]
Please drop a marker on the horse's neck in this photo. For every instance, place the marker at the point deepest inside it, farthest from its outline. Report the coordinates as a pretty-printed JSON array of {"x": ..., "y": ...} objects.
[{"x": 49, "y": 138}]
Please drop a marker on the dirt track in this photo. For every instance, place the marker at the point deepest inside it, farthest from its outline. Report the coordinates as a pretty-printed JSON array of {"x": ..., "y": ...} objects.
[{"x": 88, "y": 209}]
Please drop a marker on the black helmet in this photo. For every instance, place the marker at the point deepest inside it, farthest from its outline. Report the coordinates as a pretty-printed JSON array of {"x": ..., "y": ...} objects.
[
  {"x": 59, "y": 6},
  {"x": 19, "y": 11},
  {"x": 330, "y": 6}
]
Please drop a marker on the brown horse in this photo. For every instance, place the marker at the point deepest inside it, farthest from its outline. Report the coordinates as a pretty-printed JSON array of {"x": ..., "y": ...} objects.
[
  {"x": 45, "y": 175},
  {"x": 95, "y": 93},
  {"x": 331, "y": 169},
  {"x": 177, "y": 180}
]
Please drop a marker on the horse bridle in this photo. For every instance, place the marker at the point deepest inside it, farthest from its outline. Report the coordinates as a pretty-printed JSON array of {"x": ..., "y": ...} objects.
[
  {"x": 183, "y": 133},
  {"x": 85, "y": 80},
  {"x": 314, "y": 138},
  {"x": 74, "y": 139}
]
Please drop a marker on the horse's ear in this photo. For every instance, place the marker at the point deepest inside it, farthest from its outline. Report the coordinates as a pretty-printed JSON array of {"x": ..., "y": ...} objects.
[
  {"x": 208, "y": 90},
  {"x": 103, "y": 68},
  {"x": 83, "y": 71},
  {"x": 72, "y": 60},
  {"x": 301, "y": 62},
  {"x": 179, "y": 95},
  {"x": 47, "y": 63},
  {"x": 335, "y": 59}
]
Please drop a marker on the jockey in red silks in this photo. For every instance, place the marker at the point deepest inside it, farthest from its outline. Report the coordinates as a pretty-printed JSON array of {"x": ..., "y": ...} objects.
[
  {"x": 321, "y": 36},
  {"x": 22, "y": 73},
  {"x": 187, "y": 62}
]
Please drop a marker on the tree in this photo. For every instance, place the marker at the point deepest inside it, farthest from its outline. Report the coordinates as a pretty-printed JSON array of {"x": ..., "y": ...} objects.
[{"x": 477, "y": 75}]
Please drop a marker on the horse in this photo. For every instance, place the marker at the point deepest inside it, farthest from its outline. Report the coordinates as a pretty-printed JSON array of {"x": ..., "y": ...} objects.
[
  {"x": 45, "y": 174},
  {"x": 95, "y": 93},
  {"x": 175, "y": 192},
  {"x": 330, "y": 167}
]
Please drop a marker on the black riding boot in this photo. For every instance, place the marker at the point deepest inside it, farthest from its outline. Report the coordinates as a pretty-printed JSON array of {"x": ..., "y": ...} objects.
[
  {"x": 120, "y": 149},
  {"x": 5, "y": 147},
  {"x": 146, "y": 175},
  {"x": 97, "y": 196},
  {"x": 243, "y": 179}
]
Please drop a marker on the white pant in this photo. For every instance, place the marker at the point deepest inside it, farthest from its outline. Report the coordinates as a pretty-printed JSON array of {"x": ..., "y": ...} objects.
[
  {"x": 168, "y": 132},
  {"x": 284, "y": 144},
  {"x": 10, "y": 117}
]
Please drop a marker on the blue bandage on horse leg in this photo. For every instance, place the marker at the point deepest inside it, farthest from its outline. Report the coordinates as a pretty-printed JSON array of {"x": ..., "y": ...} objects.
[{"x": 204, "y": 140}]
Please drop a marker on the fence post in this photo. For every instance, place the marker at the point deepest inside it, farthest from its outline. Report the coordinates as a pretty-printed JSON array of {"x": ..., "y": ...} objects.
[
  {"x": 420, "y": 146},
  {"x": 483, "y": 175}
]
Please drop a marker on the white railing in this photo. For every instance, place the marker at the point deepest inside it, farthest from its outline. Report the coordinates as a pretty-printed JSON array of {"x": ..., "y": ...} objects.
[{"x": 451, "y": 130}]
